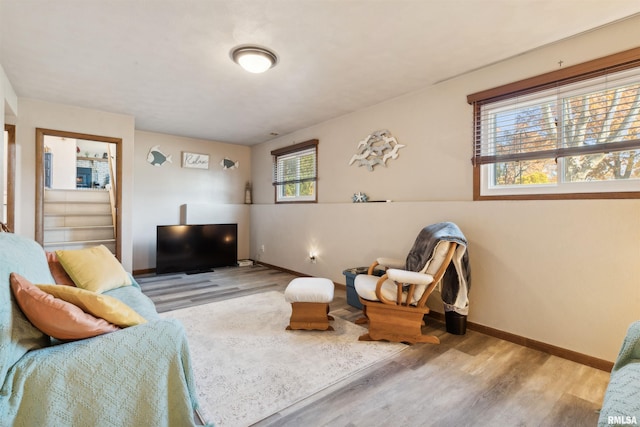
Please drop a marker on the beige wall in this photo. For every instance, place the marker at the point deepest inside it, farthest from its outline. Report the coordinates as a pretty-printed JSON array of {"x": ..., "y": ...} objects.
[
  {"x": 38, "y": 114},
  {"x": 160, "y": 191},
  {"x": 151, "y": 195},
  {"x": 158, "y": 195},
  {"x": 561, "y": 272}
]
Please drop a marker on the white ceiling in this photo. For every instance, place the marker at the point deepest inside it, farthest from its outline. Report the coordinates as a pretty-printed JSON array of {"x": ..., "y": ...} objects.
[{"x": 167, "y": 63}]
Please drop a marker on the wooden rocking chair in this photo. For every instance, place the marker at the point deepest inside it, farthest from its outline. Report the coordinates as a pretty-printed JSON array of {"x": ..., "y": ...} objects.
[{"x": 395, "y": 304}]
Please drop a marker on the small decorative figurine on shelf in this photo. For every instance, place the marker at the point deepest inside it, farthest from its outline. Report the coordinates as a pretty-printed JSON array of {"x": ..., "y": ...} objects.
[
  {"x": 247, "y": 193},
  {"x": 360, "y": 197}
]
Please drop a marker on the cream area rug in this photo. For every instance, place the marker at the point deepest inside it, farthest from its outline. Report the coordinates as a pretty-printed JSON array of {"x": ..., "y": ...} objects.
[{"x": 247, "y": 366}]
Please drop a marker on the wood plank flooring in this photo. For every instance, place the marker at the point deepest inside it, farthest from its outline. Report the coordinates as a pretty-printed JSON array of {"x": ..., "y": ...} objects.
[{"x": 468, "y": 380}]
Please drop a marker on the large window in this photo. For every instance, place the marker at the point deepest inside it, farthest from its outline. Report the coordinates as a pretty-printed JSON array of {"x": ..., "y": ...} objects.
[
  {"x": 574, "y": 133},
  {"x": 295, "y": 172}
]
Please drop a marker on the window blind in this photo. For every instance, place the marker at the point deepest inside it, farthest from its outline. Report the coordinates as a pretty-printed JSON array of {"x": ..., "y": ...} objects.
[
  {"x": 575, "y": 112},
  {"x": 296, "y": 163}
]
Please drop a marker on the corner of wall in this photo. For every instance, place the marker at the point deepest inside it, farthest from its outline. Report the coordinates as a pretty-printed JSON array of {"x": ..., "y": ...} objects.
[{"x": 10, "y": 104}]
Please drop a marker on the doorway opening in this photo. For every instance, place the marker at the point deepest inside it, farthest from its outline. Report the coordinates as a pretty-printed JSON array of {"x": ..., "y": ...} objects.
[{"x": 78, "y": 193}]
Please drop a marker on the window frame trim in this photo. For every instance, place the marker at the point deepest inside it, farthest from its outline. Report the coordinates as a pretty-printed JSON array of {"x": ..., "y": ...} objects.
[
  {"x": 292, "y": 149},
  {"x": 595, "y": 68}
]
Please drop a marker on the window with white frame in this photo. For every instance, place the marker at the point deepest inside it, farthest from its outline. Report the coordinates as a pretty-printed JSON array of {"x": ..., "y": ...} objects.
[
  {"x": 295, "y": 172},
  {"x": 574, "y": 136}
]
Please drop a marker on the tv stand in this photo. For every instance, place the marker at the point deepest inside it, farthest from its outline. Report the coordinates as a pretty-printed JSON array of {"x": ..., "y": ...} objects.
[{"x": 204, "y": 270}]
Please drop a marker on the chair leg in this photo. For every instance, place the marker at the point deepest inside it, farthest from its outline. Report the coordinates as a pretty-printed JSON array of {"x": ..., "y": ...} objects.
[
  {"x": 310, "y": 316},
  {"x": 391, "y": 324},
  {"x": 330, "y": 318},
  {"x": 362, "y": 320},
  {"x": 365, "y": 337}
]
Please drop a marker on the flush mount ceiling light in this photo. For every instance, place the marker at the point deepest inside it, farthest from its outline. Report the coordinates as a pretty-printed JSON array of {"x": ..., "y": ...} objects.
[{"x": 254, "y": 59}]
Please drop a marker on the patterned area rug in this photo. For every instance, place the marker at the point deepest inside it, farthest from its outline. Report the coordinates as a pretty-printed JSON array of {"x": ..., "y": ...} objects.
[{"x": 248, "y": 367}]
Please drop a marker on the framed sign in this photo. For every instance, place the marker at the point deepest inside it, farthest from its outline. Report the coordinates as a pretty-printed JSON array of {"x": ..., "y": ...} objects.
[{"x": 195, "y": 160}]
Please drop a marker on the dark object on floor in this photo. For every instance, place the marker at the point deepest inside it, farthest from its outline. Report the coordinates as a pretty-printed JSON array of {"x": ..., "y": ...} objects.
[{"x": 456, "y": 323}]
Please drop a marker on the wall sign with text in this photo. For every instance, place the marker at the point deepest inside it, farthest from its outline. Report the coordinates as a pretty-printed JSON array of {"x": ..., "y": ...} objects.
[{"x": 195, "y": 160}]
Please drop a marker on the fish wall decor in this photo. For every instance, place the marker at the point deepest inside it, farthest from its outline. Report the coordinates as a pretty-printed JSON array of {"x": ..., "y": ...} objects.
[
  {"x": 229, "y": 164},
  {"x": 157, "y": 157},
  {"x": 376, "y": 149}
]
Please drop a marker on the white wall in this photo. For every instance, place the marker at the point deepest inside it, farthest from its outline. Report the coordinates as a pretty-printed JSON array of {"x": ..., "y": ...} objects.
[
  {"x": 564, "y": 273},
  {"x": 63, "y": 161},
  {"x": 38, "y": 114},
  {"x": 160, "y": 191}
]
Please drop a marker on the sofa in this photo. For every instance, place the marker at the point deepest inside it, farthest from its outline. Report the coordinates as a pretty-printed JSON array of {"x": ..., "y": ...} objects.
[
  {"x": 134, "y": 376},
  {"x": 621, "y": 405}
]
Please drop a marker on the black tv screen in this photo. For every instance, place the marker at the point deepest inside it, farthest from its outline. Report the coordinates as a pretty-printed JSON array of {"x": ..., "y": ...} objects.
[{"x": 195, "y": 248}]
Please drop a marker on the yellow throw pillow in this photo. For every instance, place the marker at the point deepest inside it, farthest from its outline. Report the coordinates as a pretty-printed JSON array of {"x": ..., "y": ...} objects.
[
  {"x": 94, "y": 269},
  {"x": 103, "y": 306}
]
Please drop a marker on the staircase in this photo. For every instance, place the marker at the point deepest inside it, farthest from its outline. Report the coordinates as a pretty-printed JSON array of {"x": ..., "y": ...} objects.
[{"x": 75, "y": 219}]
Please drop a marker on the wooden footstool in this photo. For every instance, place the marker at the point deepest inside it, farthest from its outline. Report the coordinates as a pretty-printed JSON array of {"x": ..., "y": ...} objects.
[{"x": 309, "y": 298}]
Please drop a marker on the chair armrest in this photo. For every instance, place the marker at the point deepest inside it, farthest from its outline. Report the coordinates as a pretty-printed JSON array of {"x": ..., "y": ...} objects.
[
  {"x": 391, "y": 262},
  {"x": 385, "y": 263},
  {"x": 411, "y": 277}
]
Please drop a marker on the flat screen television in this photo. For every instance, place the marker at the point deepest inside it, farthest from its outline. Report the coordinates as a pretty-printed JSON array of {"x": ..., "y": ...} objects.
[{"x": 195, "y": 248}]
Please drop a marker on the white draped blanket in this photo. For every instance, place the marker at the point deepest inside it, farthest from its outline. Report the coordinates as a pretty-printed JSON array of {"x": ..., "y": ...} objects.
[{"x": 247, "y": 366}]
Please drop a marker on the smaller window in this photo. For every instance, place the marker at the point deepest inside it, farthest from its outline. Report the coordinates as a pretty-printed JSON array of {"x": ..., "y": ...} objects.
[{"x": 295, "y": 172}]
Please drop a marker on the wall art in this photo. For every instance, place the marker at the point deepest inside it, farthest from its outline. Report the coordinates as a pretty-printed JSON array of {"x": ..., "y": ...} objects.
[
  {"x": 157, "y": 157},
  {"x": 229, "y": 164},
  {"x": 195, "y": 160},
  {"x": 376, "y": 149}
]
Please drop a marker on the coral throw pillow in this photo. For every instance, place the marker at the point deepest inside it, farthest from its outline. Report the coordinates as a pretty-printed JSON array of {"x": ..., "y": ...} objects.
[
  {"x": 94, "y": 269},
  {"x": 104, "y": 306},
  {"x": 57, "y": 270},
  {"x": 54, "y": 316}
]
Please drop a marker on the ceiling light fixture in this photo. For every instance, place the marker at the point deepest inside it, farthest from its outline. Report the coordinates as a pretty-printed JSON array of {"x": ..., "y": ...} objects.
[{"x": 254, "y": 59}]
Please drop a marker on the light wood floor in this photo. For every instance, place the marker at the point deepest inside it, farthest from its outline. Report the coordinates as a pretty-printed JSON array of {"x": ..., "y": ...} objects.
[{"x": 469, "y": 380}]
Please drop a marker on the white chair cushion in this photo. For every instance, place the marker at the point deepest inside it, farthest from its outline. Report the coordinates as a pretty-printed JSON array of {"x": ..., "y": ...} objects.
[
  {"x": 421, "y": 280},
  {"x": 309, "y": 289},
  {"x": 404, "y": 276},
  {"x": 366, "y": 288}
]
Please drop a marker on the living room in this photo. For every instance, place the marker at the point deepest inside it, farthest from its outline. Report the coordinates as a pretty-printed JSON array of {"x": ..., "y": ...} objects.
[{"x": 560, "y": 273}]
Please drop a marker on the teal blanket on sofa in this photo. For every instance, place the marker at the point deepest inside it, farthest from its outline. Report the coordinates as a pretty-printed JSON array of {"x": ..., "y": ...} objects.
[
  {"x": 138, "y": 376},
  {"x": 621, "y": 404}
]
